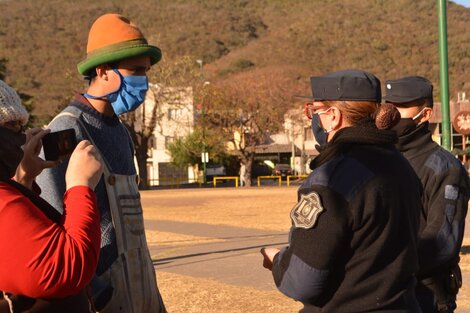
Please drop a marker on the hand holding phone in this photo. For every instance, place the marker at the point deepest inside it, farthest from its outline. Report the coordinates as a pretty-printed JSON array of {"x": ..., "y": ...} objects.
[
  {"x": 269, "y": 254},
  {"x": 32, "y": 165}
]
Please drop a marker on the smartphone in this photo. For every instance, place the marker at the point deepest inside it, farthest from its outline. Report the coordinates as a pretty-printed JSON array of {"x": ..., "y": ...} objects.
[{"x": 59, "y": 144}]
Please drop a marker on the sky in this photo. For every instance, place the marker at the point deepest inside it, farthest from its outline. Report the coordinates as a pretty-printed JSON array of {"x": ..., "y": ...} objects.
[{"x": 463, "y": 2}]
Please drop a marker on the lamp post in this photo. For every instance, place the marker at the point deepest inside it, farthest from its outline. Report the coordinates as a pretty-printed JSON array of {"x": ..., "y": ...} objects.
[
  {"x": 292, "y": 161},
  {"x": 204, "y": 156},
  {"x": 444, "y": 75}
]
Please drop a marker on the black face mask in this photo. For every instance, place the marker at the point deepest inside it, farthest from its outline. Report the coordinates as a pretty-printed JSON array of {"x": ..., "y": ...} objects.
[
  {"x": 319, "y": 132},
  {"x": 11, "y": 152},
  {"x": 404, "y": 126}
]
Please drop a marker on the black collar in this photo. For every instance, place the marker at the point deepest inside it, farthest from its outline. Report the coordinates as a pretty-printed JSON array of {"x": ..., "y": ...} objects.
[
  {"x": 416, "y": 142},
  {"x": 348, "y": 137}
]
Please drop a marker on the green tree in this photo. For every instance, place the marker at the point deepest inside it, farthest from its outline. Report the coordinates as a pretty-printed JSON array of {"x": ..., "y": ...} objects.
[{"x": 187, "y": 150}]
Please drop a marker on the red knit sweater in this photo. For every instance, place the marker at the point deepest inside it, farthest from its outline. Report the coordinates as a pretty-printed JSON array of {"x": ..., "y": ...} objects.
[{"x": 43, "y": 259}]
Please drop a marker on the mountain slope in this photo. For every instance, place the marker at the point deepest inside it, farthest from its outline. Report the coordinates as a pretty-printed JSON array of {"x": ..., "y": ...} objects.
[{"x": 44, "y": 40}]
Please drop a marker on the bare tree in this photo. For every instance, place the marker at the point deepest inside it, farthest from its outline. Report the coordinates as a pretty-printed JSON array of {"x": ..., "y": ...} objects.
[
  {"x": 247, "y": 108},
  {"x": 296, "y": 121},
  {"x": 141, "y": 125}
]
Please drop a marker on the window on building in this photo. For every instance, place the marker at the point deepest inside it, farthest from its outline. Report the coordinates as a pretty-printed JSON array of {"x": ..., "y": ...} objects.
[
  {"x": 168, "y": 140},
  {"x": 308, "y": 134},
  {"x": 174, "y": 114}
]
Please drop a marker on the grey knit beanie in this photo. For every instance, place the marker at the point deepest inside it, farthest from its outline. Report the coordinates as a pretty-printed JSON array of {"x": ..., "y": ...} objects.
[{"x": 11, "y": 108}]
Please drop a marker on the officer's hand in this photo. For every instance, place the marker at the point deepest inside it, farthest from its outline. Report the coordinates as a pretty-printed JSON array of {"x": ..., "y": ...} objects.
[
  {"x": 85, "y": 168},
  {"x": 269, "y": 254}
]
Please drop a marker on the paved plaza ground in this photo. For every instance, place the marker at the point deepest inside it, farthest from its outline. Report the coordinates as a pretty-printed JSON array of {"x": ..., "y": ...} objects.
[{"x": 205, "y": 244}]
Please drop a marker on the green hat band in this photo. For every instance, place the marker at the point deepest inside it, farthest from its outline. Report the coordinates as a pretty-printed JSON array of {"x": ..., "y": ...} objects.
[{"x": 117, "y": 52}]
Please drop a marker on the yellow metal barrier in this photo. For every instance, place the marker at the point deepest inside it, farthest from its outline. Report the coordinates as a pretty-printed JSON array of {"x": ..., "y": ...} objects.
[
  {"x": 269, "y": 177},
  {"x": 296, "y": 176},
  {"x": 172, "y": 182},
  {"x": 214, "y": 180}
]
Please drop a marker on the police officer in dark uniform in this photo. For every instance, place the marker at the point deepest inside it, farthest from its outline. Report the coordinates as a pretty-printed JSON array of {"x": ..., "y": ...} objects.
[
  {"x": 445, "y": 197},
  {"x": 352, "y": 245}
]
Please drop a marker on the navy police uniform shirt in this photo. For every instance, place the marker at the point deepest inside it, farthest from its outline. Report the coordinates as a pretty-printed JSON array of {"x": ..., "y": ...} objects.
[
  {"x": 352, "y": 245},
  {"x": 445, "y": 200}
]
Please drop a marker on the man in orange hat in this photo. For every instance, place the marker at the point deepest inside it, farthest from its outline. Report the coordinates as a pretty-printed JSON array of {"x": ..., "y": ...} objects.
[{"x": 118, "y": 58}]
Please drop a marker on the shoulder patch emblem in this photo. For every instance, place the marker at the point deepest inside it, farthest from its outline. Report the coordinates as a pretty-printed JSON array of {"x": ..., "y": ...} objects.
[
  {"x": 306, "y": 212},
  {"x": 451, "y": 192}
]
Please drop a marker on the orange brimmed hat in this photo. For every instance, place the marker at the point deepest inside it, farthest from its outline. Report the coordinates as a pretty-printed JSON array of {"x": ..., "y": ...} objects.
[{"x": 112, "y": 38}]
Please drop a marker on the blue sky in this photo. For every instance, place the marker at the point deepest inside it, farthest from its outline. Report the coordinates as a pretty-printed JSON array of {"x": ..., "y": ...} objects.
[{"x": 463, "y": 2}]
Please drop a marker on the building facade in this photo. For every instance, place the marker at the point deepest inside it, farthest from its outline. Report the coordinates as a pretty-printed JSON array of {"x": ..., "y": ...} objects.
[{"x": 172, "y": 111}]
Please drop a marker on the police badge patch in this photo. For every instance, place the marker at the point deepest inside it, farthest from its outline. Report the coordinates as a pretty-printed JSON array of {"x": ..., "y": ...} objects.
[{"x": 306, "y": 212}]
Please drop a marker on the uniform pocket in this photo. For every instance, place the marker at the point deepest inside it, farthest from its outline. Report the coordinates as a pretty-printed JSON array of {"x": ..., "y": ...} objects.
[{"x": 133, "y": 222}]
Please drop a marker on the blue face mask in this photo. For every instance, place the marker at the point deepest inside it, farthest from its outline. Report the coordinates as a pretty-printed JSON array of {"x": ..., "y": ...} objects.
[
  {"x": 129, "y": 95},
  {"x": 319, "y": 132}
]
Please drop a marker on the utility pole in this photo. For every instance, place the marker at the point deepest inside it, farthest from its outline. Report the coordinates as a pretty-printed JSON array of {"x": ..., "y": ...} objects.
[
  {"x": 292, "y": 161},
  {"x": 302, "y": 159},
  {"x": 442, "y": 23},
  {"x": 204, "y": 156}
]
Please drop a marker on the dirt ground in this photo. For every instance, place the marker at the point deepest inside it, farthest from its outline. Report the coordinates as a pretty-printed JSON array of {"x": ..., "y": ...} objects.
[
  {"x": 265, "y": 208},
  {"x": 260, "y": 208}
]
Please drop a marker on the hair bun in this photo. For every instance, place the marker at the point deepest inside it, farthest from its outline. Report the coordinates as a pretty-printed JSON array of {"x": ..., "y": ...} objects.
[{"x": 387, "y": 116}]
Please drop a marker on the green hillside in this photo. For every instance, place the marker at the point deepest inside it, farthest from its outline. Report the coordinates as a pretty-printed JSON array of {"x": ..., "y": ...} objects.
[{"x": 44, "y": 40}]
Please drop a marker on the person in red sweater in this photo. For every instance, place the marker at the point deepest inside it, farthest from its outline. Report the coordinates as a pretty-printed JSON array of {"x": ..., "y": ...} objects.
[{"x": 47, "y": 259}]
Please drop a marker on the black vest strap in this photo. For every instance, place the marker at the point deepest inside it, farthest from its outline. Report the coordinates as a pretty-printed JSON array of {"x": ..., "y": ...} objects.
[{"x": 39, "y": 202}]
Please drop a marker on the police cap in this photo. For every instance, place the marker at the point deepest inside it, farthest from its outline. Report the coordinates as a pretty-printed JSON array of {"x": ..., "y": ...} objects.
[
  {"x": 354, "y": 85},
  {"x": 408, "y": 89}
]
